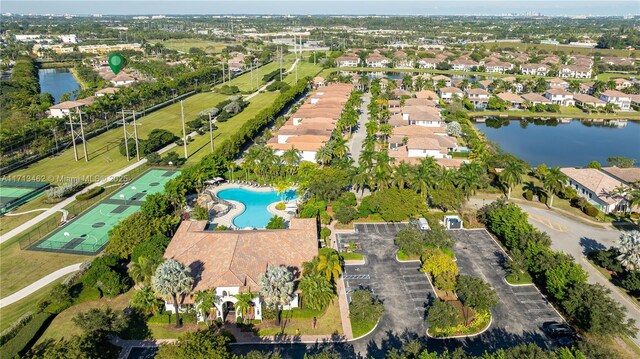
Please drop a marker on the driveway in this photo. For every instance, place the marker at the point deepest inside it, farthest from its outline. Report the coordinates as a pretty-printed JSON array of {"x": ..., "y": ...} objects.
[{"x": 355, "y": 144}]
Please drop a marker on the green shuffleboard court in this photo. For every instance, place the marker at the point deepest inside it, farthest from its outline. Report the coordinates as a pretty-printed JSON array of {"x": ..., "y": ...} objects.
[
  {"x": 89, "y": 233},
  {"x": 15, "y": 193}
]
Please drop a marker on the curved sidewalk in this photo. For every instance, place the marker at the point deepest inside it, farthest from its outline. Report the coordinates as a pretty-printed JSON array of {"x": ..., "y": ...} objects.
[{"x": 40, "y": 283}]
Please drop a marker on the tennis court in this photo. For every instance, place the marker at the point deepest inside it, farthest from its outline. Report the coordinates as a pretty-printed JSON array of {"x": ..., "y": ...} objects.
[
  {"x": 15, "y": 193},
  {"x": 89, "y": 232}
]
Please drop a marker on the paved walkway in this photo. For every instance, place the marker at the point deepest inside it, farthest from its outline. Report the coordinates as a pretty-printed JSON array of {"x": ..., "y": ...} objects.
[
  {"x": 355, "y": 144},
  {"x": 40, "y": 283}
]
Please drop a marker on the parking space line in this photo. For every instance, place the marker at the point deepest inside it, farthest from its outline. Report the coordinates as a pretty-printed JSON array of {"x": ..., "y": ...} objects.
[{"x": 537, "y": 310}]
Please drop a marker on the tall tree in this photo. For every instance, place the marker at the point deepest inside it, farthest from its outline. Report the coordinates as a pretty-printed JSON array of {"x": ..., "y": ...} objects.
[
  {"x": 317, "y": 291},
  {"x": 205, "y": 300},
  {"x": 146, "y": 301},
  {"x": 330, "y": 265},
  {"x": 244, "y": 302},
  {"x": 276, "y": 287},
  {"x": 511, "y": 175},
  {"x": 172, "y": 279},
  {"x": 554, "y": 181}
]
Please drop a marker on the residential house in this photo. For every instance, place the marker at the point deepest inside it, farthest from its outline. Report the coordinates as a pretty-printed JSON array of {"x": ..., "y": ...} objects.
[
  {"x": 427, "y": 94},
  {"x": 377, "y": 60},
  {"x": 122, "y": 79},
  {"x": 514, "y": 85},
  {"x": 463, "y": 65},
  {"x": 622, "y": 84},
  {"x": 426, "y": 116},
  {"x": 513, "y": 100},
  {"x": 560, "y": 97},
  {"x": 629, "y": 176},
  {"x": 588, "y": 100},
  {"x": 620, "y": 99},
  {"x": 485, "y": 85},
  {"x": 557, "y": 84},
  {"x": 535, "y": 99},
  {"x": 498, "y": 67},
  {"x": 402, "y": 60},
  {"x": 597, "y": 187},
  {"x": 66, "y": 108},
  {"x": 535, "y": 69},
  {"x": 575, "y": 71},
  {"x": 438, "y": 78},
  {"x": 106, "y": 91},
  {"x": 233, "y": 262},
  {"x": 617, "y": 61},
  {"x": 348, "y": 61},
  {"x": 428, "y": 63},
  {"x": 447, "y": 93},
  {"x": 478, "y": 97}
]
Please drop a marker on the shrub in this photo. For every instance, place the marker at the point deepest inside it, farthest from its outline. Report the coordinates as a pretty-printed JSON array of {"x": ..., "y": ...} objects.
[
  {"x": 344, "y": 213},
  {"x": 591, "y": 211},
  {"x": 325, "y": 232},
  {"x": 281, "y": 206},
  {"x": 579, "y": 202},
  {"x": 200, "y": 213},
  {"x": 325, "y": 218},
  {"x": 64, "y": 190},
  {"x": 21, "y": 340},
  {"x": 528, "y": 195},
  {"x": 90, "y": 193}
]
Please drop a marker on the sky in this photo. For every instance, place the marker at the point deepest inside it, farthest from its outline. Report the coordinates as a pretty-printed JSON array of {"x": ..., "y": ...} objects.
[{"x": 322, "y": 7}]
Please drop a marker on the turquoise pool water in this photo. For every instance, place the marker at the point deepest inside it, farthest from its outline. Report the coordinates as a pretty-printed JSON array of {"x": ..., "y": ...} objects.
[{"x": 255, "y": 214}]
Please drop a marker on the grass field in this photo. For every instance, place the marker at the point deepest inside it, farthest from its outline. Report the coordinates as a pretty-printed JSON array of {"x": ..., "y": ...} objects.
[
  {"x": 11, "y": 313},
  {"x": 564, "y": 48},
  {"x": 184, "y": 45},
  {"x": 8, "y": 223}
]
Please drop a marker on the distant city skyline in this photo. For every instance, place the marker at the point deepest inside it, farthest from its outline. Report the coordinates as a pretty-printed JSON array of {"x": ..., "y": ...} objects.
[{"x": 324, "y": 7}]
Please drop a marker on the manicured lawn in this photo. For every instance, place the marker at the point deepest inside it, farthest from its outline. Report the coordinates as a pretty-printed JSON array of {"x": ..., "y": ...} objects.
[
  {"x": 328, "y": 322},
  {"x": 351, "y": 256},
  {"x": 550, "y": 47},
  {"x": 185, "y": 44},
  {"x": 13, "y": 312},
  {"x": 360, "y": 328},
  {"x": 63, "y": 327},
  {"x": 578, "y": 114},
  {"x": 613, "y": 75},
  {"x": 516, "y": 281}
]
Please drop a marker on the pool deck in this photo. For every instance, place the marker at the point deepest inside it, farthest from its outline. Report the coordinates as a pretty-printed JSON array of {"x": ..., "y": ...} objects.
[{"x": 227, "y": 219}]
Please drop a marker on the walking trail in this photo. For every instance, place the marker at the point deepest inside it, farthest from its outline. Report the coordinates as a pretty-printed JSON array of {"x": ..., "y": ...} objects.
[{"x": 40, "y": 283}]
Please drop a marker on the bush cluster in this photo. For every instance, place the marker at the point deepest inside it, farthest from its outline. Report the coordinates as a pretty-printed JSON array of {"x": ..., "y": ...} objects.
[
  {"x": 90, "y": 193},
  {"x": 17, "y": 345}
]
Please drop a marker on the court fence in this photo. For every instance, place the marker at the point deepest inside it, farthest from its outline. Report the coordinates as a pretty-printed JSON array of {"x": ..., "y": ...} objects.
[{"x": 37, "y": 233}]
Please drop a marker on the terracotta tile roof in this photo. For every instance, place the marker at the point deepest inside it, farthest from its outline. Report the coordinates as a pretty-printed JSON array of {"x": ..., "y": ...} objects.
[
  {"x": 510, "y": 97},
  {"x": 477, "y": 92},
  {"x": 427, "y": 94},
  {"x": 555, "y": 91},
  {"x": 534, "y": 97},
  {"x": 614, "y": 93},
  {"x": 415, "y": 130},
  {"x": 239, "y": 258},
  {"x": 419, "y": 102},
  {"x": 629, "y": 175},
  {"x": 450, "y": 90},
  {"x": 579, "y": 97},
  {"x": 596, "y": 181}
]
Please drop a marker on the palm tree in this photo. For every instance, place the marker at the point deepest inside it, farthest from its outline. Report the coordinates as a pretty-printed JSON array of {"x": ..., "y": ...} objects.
[
  {"x": 511, "y": 175},
  {"x": 172, "y": 279},
  {"x": 146, "y": 301},
  {"x": 281, "y": 188},
  {"x": 629, "y": 249},
  {"x": 143, "y": 269},
  {"x": 468, "y": 178},
  {"x": 401, "y": 175},
  {"x": 554, "y": 181},
  {"x": 291, "y": 159},
  {"x": 324, "y": 155},
  {"x": 360, "y": 181},
  {"x": 206, "y": 300},
  {"x": 317, "y": 291},
  {"x": 245, "y": 301},
  {"x": 424, "y": 176},
  {"x": 330, "y": 265},
  {"x": 276, "y": 288},
  {"x": 339, "y": 147}
]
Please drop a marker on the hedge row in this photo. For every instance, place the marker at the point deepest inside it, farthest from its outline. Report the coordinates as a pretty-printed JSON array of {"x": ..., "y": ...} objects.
[
  {"x": 90, "y": 194},
  {"x": 11, "y": 332},
  {"x": 19, "y": 343},
  {"x": 230, "y": 148}
]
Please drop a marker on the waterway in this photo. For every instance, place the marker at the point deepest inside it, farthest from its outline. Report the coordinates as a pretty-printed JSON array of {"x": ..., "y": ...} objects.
[
  {"x": 569, "y": 143},
  {"x": 57, "y": 82}
]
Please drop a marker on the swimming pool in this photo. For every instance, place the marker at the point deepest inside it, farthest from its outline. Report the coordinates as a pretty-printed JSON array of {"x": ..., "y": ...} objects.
[{"x": 255, "y": 214}]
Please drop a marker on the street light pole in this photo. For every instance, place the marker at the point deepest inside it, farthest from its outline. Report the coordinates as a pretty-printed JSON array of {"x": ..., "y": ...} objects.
[
  {"x": 184, "y": 130},
  {"x": 211, "y": 131}
]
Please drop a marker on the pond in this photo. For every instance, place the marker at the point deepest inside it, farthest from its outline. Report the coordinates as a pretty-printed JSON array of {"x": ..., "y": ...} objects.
[
  {"x": 567, "y": 143},
  {"x": 57, "y": 82}
]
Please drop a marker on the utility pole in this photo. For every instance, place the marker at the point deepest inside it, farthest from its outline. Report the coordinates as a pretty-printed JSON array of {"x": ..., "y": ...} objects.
[
  {"x": 78, "y": 135},
  {"x": 280, "y": 60},
  {"x": 130, "y": 136},
  {"x": 184, "y": 131},
  {"x": 211, "y": 131}
]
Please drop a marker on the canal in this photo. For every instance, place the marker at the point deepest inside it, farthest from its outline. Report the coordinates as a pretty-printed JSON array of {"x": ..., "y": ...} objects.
[
  {"x": 57, "y": 82},
  {"x": 572, "y": 143}
]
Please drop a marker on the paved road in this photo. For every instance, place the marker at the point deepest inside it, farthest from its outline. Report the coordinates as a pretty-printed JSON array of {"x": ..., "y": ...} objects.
[
  {"x": 355, "y": 144},
  {"x": 577, "y": 239},
  {"x": 40, "y": 283}
]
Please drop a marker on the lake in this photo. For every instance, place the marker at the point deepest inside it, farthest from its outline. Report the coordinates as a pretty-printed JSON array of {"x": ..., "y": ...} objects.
[
  {"x": 571, "y": 144},
  {"x": 57, "y": 82}
]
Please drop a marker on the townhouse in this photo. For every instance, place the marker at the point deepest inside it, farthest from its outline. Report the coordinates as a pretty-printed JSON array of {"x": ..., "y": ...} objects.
[
  {"x": 402, "y": 60},
  {"x": 513, "y": 100},
  {"x": 533, "y": 99},
  {"x": 428, "y": 63},
  {"x": 448, "y": 93},
  {"x": 583, "y": 100},
  {"x": 463, "y": 65},
  {"x": 597, "y": 187},
  {"x": 575, "y": 71},
  {"x": 498, "y": 67},
  {"x": 348, "y": 61},
  {"x": 446, "y": 80},
  {"x": 377, "y": 60}
]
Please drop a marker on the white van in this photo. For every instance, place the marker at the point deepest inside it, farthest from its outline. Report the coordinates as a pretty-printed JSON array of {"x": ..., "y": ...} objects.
[{"x": 422, "y": 224}]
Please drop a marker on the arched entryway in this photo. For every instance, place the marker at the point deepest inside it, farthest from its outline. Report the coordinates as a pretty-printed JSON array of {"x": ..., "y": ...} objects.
[{"x": 228, "y": 312}]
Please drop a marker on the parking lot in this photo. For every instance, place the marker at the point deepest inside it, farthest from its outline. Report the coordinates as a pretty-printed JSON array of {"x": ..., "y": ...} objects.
[
  {"x": 401, "y": 286},
  {"x": 522, "y": 309}
]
